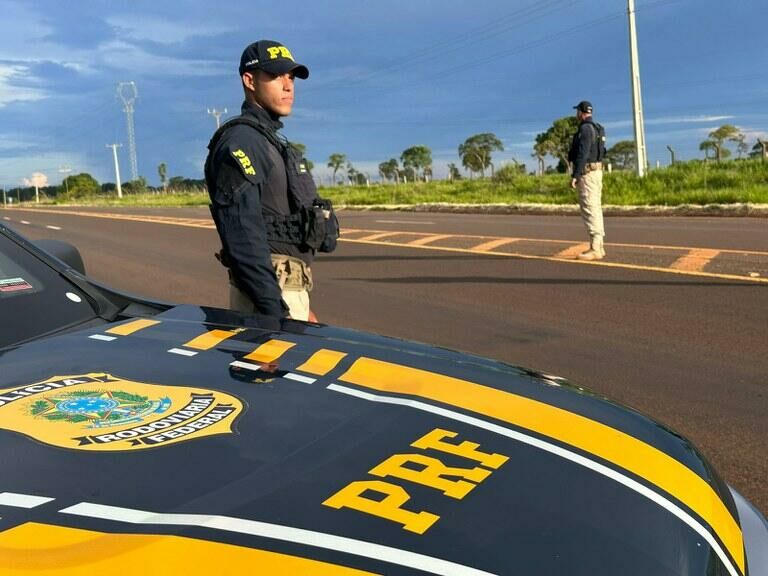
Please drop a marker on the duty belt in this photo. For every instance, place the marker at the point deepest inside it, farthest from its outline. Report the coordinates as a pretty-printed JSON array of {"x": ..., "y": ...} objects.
[{"x": 592, "y": 166}]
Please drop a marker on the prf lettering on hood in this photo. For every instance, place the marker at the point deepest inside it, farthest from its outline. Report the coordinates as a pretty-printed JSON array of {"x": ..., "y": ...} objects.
[
  {"x": 101, "y": 412},
  {"x": 387, "y": 499}
]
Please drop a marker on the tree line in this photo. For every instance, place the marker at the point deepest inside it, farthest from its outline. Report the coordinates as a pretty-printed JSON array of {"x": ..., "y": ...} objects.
[{"x": 476, "y": 155}]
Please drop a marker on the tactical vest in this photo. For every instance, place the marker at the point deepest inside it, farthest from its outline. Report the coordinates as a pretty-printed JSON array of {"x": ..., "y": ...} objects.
[
  {"x": 599, "y": 152},
  {"x": 312, "y": 221}
]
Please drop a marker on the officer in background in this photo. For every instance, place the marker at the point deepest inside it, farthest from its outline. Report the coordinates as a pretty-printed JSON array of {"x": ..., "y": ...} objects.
[
  {"x": 263, "y": 200},
  {"x": 586, "y": 156}
]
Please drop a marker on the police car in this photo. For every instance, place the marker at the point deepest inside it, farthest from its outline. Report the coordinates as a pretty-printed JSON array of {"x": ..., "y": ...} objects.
[{"x": 139, "y": 437}]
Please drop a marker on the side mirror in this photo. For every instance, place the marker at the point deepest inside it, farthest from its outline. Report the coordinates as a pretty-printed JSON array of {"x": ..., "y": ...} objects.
[{"x": 64, "y": 252}]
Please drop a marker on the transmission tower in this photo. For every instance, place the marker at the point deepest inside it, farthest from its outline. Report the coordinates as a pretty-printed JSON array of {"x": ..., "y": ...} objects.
[
  {"x": 128, "y": 94},
  {"x": 217, "y": 115}
]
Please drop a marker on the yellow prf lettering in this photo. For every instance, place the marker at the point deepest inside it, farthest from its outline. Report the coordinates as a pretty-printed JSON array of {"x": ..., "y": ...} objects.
[
  {"x": 277, "y": 51},
  {"x": 431, "y": 474},
  {"x": 389, "y": 508},
  {"x": 434, "y": 440},
  {"x": 245, "y": 162}
]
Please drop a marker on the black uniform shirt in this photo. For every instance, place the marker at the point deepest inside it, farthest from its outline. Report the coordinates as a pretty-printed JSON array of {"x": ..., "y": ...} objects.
[
  {"x": 583, "y": 147},
  {"x": 246, "y": 177}
]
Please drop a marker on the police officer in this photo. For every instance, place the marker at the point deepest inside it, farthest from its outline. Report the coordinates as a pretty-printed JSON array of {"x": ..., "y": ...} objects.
[
  {"x": 586, "y": 155},
  {"x": 263, "y": 199}
]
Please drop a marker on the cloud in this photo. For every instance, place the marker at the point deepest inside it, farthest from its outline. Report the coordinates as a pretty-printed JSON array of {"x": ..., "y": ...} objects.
[
  {"x": 38, "y": 179},
  {"x": 11, "y": 90},
  {"x": 141, "y": 28},
  {"x": 667, "y": 120}
]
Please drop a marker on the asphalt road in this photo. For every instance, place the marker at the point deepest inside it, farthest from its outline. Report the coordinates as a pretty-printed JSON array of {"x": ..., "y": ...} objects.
[{"x": 674, "y": 323}]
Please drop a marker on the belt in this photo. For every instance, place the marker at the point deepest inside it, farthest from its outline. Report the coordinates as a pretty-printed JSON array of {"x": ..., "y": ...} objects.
[{"x": 591, "y": 166}]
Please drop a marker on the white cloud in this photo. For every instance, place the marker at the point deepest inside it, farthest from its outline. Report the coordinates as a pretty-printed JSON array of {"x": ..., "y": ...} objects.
[
  {"x": 124, "y": 56},
  {"x": 133, "y": 27},
  {"x": 11, "y": 91},
  {"x": 37, "y": 179}
]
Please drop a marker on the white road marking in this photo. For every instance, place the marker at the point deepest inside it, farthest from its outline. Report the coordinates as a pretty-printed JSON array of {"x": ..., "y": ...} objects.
[
  {"x": 103, "y": 337},
  {"x": 182, "y": 352},
  {"x": 699, "y": 528},
  {"x": 404, "y": 222},
  {"x": 23, "y": 221},
  {"x": 278, "y": 532},
  {"x": 53, "y": 227},
  {"x": 6, "y": 218},
  {"x": 22, "y": 500}
]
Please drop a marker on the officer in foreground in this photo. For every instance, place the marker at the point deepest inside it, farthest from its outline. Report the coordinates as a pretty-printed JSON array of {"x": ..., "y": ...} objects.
[
  {"x": 270, "y": 220},
  {"x": 586, "y": 156}
]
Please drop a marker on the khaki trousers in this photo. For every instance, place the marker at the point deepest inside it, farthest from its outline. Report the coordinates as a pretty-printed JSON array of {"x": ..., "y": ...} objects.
[
  {"x": 590, "y": 187},
  {"x": 295, "y": 281}
]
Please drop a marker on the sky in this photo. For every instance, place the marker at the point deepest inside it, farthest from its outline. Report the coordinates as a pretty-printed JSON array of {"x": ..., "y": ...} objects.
[{"x": 384, "y": 75}]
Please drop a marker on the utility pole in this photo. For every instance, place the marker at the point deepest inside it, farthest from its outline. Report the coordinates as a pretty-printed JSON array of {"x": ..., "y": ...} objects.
[
  {"x": 117, "y": 168},
  {"x": 672, "y": 152},
  {"x": 128, "y": 94},
  {"x": 217, "y": 114},
  {"x": 65, "y": 170},
  {"x": 637, "y": 99}
]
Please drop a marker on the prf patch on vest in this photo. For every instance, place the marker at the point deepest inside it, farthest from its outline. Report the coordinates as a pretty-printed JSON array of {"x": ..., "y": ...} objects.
[{"x": 245, "y": 162}]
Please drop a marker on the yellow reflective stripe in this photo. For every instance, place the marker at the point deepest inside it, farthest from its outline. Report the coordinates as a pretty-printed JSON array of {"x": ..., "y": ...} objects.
[
  {"x": 34, "y": 548},
  {"x": 210, "y": 339},
  {"x": 593, "y": 437},
  {"x": 322, "y": 362},
  {"x": 131, "y": 327},
  {"x": 270, "y": 351}
]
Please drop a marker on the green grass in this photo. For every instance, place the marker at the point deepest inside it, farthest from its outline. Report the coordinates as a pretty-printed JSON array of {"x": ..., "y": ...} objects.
[{"x": 693, "y": 182}]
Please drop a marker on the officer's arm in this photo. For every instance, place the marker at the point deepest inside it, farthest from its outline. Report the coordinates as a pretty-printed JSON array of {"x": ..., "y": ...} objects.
[
  {"x": 584, "y": 150},
  {"x": 237, "y": 206}
]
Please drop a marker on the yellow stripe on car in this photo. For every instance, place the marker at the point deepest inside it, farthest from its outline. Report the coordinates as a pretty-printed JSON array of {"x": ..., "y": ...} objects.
[
  {"x": 131, "y": 327},
  {"x": 211, "y": 339},
  {"x": 270, "y": 351},
  {"x": 322, "y": 362},
  {"x": 602, "y": 441}
]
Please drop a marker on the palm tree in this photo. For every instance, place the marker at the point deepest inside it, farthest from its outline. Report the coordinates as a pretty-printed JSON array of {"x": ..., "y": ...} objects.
[{"x": 336, "y": 161}]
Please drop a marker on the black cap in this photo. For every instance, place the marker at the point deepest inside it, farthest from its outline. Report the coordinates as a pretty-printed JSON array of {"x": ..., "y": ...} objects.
[
  {"x": 584, "y": 107},
  {"x": 271, "y": 57}
]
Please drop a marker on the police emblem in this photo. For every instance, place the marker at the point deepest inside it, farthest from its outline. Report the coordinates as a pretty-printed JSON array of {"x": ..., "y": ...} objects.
[{"x": 99, "y": 411}]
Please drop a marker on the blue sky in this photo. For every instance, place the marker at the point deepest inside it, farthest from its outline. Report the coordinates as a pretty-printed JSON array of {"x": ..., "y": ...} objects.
[{"x": 384, "y": 76}]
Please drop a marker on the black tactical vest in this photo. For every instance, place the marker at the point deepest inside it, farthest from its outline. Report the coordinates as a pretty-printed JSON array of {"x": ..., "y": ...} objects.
[{"x": 312, "y": 221}]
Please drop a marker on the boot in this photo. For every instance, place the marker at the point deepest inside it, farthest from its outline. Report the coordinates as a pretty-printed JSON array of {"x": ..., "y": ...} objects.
[{"x": 596, "y": 250}]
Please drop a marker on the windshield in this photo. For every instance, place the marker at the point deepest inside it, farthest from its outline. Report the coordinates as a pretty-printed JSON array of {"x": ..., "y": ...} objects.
[{"x": 34, "y": 298}]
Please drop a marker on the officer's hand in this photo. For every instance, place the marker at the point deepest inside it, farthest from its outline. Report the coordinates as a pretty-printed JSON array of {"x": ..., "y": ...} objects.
[{"x": 573, "y": 182}]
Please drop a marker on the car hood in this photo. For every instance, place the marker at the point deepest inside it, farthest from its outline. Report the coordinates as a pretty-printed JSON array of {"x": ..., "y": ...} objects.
[{"x": 315, "y": 449}]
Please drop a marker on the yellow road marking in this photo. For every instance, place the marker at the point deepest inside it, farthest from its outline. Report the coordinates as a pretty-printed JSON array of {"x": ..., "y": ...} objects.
[
  {"x": 210, "y": 339},
  {"x": 578, "y": 431},
  {"x": 493, "y": 244},
  {"x": 695, "y": 260},
  {"x": 131, "y": 327},
  {"x": 322, "y": 362},
  {"x": 379, "y": 236},
  {"x": 573, "y": 251},
  {"x": 270, "y": 351},
  {"x": 429, "y": 239},
  {"x": 34, "y": 548},
  {"x": 574, "y": 261}
]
